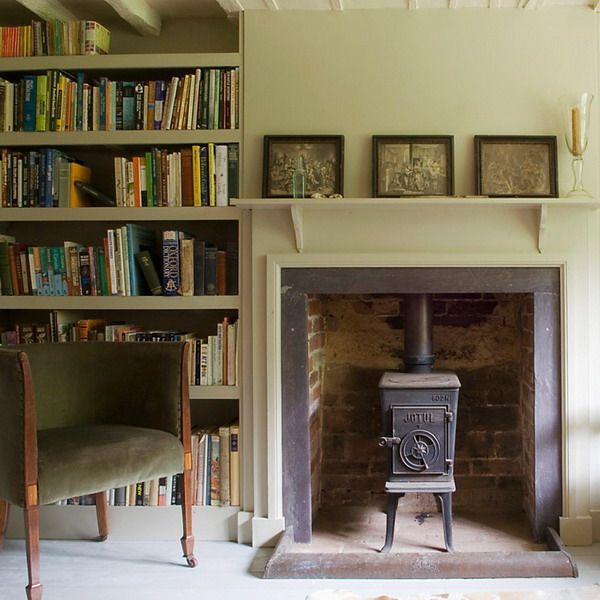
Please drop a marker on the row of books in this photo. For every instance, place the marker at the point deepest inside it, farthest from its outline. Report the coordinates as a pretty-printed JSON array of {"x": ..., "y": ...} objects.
[
  {"x": 123, "y": 266},
  {"x": 215, "y": 476},
  {"x": 213, "y": 359},
  {"x": 42, "y": 178},
  {"x": 198, "y": 175},
  {"x": 54, "y": 38},
  {"x": 61, "y": 101}
]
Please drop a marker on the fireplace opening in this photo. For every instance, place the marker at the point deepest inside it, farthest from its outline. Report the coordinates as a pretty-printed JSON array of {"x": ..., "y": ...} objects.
[
  {"x": 487, "y": 339},
  {"x": 498, "y": 329}
]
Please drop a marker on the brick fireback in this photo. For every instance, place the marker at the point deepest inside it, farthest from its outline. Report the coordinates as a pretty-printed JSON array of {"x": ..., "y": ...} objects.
[{"x": 483, "y": 337}]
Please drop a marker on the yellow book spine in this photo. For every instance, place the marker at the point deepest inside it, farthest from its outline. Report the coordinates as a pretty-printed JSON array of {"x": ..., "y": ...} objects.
[
  {"x": 196, "y": 174},
  {"x": 212, "y": 176}
]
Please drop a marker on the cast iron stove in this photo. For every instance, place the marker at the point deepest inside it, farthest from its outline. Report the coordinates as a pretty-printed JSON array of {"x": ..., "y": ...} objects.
[{"x": 419, "y": 409}]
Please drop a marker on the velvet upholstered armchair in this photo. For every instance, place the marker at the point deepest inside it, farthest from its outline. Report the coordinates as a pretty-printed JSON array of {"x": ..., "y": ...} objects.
[{"x": 81, "y": 418}]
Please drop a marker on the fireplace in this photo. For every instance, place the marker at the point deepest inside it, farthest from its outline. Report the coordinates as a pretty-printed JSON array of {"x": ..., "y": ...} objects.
[{"x": 540, "y": 284}]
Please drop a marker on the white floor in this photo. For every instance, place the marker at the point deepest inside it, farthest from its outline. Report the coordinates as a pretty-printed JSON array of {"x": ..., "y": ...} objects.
[{"x": 82, "y": 570}]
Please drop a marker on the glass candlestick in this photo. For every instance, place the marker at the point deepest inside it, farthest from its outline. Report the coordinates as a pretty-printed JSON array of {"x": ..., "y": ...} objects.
[{"x": 575, "y": 110}]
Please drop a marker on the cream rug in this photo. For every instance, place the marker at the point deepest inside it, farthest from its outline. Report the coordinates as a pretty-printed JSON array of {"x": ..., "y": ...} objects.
[{"x": 586, "y": 593}]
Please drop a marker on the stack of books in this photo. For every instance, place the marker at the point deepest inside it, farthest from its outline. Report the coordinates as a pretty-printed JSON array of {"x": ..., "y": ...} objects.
[
  {"x": 62, "y": 101},
  {"x": 125, "y": 265},
  {"x": 54, "y": 38}
]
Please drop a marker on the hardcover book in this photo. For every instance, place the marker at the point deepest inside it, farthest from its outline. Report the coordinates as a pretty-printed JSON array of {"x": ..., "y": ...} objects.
[{"x": 171, "y": 281}]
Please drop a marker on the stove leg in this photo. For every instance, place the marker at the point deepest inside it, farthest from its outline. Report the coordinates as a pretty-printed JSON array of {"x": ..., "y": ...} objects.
[
  {"x": 446, "y": 504},
  {"x": 392, "y": 505}
]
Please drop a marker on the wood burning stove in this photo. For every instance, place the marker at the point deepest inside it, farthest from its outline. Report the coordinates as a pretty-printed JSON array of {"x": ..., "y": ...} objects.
[{"x": 419, "y": 410}]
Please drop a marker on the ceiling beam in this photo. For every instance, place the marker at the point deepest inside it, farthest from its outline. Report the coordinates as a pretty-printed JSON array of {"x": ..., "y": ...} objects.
[
  {"x": 139, "y": 14},
  {"x": 337, "y": 4},
  {"x": 231, "y": 6},
  {"x": 529, "y": 4},
  {"x": 48, "y": 10}
]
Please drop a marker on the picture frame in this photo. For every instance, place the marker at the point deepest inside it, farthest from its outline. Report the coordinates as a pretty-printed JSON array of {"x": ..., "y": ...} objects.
[
  {"x": 323, "y": 157},
  {"x": 413, "y": 165},
  {"x": 516, "y": 166}
]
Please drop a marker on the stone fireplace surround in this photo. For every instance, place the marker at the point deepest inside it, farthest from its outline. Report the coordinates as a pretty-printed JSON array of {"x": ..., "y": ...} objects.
[{"x": 298, "y": 283}]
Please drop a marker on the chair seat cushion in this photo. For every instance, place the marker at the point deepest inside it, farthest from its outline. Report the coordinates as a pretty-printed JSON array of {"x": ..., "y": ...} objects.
[{"x": 73, "y": 461}]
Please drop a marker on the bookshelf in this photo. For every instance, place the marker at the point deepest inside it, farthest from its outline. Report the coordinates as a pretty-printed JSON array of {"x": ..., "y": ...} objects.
[{"x": 212, "y": 404}]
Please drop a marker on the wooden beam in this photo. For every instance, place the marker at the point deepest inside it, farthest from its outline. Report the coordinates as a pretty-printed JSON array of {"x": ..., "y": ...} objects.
[
  {"x": 231, "y": 6},
  {"x": 337, "y": 4},
  {"x": 48, "y": 10},
  {"x": 139, "y": 14}
]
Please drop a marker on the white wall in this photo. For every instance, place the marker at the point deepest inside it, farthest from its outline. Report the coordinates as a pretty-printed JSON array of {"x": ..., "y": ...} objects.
[{"x": 460, "y": 72}]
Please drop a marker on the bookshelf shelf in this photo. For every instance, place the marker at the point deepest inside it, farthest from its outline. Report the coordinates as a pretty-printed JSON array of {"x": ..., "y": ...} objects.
[
  {"x": 171, "y": 303},
  {"x": 214, "y": 392},
  {"x": 179, "y": 213},
  {"x": 119, "y": 138},
  {"x": 130, "y": 522},
  {"x": 115, "y": 62}
]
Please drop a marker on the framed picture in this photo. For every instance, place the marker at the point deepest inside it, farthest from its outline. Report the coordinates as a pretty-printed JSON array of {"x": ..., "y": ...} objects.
[
  {"x": 413, "y": 165},
  {"x": 512, "y": 165},
  {"x": 322, "y": 156}
]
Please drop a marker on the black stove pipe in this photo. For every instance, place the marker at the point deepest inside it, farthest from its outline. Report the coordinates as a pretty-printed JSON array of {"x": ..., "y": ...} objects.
[{"x": 418, "y": 333}]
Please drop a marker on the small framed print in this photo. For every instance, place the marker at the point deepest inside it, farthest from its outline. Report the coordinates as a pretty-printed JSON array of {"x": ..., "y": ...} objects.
[
  {"x": 322, "y": 157},
  {"x": 413, "y": 165},
  {"x": 512, "y": 165}
]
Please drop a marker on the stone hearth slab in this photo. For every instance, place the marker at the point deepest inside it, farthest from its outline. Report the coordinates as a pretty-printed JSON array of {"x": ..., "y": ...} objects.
[{"x": 345, "y": 545}]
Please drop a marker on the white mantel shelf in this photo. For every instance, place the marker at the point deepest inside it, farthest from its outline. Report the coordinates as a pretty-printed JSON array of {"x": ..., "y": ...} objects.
[{"x": 297, "y": 206}]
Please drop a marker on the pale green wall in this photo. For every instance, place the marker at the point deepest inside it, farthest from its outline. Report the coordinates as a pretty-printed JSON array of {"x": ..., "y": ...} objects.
[{"x": 460, "y": 72}]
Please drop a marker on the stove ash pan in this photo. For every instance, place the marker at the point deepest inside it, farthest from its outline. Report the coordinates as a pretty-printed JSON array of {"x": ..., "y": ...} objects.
[{"x": 419, "y": 412}]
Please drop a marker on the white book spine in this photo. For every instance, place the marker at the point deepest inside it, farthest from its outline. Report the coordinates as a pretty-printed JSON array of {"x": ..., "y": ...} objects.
[{"x": 222, "y": 195}]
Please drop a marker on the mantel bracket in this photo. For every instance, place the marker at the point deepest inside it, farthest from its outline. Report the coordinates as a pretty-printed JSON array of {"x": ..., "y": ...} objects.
[
  {"x": 297, "y": 215},
  {"x": 543, "y": 216}
]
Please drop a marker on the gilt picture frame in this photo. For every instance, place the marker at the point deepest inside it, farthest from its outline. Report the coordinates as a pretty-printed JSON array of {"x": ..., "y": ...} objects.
[
  {"x": 413, "y": 165},
  {"x": 322, "y": 157},
  {"x": 516, "y": 166}
]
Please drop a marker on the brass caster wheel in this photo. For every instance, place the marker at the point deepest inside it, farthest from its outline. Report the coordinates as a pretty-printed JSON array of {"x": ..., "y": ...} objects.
[{"x": 192, "y": 561}]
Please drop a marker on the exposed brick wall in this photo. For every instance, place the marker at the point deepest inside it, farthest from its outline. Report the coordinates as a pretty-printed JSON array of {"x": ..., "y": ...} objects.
[
  {"x": 316, "y": 344},
  {"x": 527, "y": 404},
  {"x": 476, "y": 335}
]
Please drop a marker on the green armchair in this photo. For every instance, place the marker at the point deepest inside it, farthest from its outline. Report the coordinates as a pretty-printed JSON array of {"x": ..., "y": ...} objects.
[{"x": 82, "y": 418}]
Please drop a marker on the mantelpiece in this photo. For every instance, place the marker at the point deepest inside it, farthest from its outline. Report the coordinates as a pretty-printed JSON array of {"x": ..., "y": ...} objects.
[{"x": 297, "y": 206}]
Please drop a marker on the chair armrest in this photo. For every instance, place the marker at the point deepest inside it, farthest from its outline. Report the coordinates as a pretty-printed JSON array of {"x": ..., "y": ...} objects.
[{"x": 18, "y": 439}]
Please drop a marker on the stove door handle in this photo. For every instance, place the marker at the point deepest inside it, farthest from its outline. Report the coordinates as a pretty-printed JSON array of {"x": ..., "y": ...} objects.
[{"x": 388, "y": 442}]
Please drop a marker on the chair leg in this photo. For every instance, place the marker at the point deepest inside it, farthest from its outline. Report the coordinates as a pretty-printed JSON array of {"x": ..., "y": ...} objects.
[
  {"x": 102, "y": 515},
  {"x": 32, "y": 545},
  {"x": 4, "y": 511},
  {"x": 187, "y": 541}
]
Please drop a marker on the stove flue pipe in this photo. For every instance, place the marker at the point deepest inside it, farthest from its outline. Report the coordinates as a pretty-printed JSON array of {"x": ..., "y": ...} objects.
[{"x": 418, "y": 333}]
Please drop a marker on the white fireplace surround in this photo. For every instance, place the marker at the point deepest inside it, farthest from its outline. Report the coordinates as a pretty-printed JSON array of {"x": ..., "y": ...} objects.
[{"x": 428, "y": 236}]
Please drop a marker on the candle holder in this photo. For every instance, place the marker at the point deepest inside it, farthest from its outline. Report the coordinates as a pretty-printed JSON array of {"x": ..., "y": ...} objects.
[{"x": 575, "y": 110}]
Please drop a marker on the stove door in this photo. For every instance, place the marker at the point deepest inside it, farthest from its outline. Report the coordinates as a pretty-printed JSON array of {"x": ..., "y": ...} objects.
[{"x": 423, "y": 435}]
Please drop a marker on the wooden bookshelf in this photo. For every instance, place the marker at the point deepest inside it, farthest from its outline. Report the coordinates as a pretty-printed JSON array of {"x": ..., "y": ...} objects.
[{"x": 51, "y": 226}]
